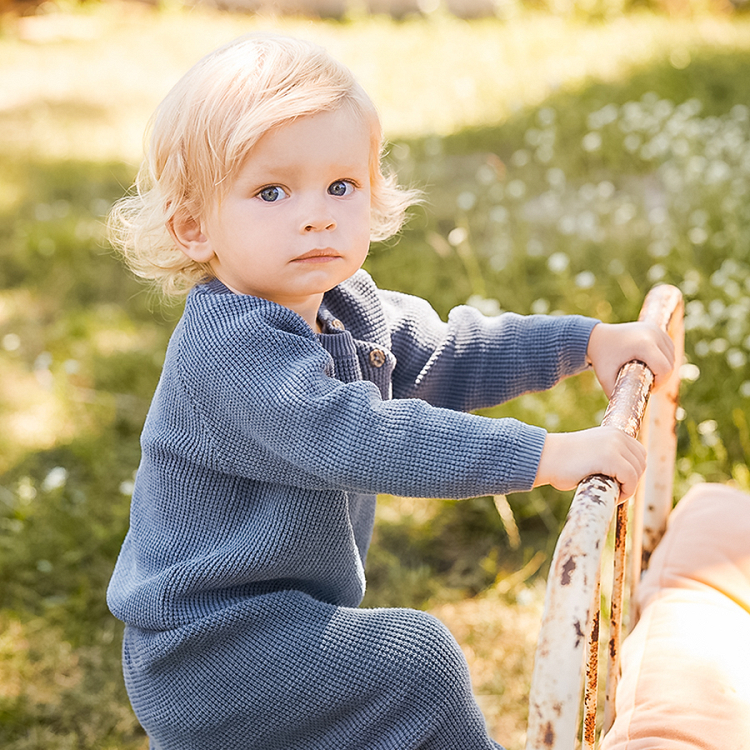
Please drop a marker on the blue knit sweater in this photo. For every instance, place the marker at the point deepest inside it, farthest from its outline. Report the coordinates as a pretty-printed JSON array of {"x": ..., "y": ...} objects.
[{"x": 262, "y": 453}]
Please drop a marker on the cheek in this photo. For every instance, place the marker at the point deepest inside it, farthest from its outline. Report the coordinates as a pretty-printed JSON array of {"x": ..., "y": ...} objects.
[
  {"x": 366, "y": 213},
  {"x": 364, "y": 228}
]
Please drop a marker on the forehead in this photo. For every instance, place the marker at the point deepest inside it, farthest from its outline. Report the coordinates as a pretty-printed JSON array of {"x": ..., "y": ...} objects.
[{"x": 340, "y": 137}]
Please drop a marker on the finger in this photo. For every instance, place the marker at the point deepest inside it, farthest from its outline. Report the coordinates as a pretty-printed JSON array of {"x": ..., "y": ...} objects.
[
  {"x": 636, "y": 461},
  {"x": 638, "y": 450},
  {"x": 663, "y": 359},
  {"x": 628, "y": 446},
  {"x": 668, "y": 346},
  {"x": 607, "y": 381},
  {"x": 628, "y": 479},
  {"x": 629, "y": 462}
]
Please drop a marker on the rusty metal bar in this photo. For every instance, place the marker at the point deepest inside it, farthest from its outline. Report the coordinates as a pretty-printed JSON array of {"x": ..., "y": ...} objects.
[
  {"x": 591, "y": 684},
  {"x": 636, "y": 535},
  {"x": 662, "y": 447},
  {"x": 625, "y": 411},
  {"x": 654, "y": 493},
  {"x": 615, "y": 618},
  {"x": 655, "y": 498},
  {"x": 558, "y": 670}
]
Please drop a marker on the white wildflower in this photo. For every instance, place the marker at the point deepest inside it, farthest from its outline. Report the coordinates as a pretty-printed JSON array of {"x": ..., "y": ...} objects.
[
  {"x": 55, "y": 479},
  {"x": 591, "y": 142},
  {"x": 736, "y": 358},
  {"x": 585, "y": 280},
  {"x": 466, "y": 200},
  {"x": 558, "y": 262},
  {"x": 689, "y": 372},
  {"x": 516, "y": 188},
  {"x": 457, "y": 235}
]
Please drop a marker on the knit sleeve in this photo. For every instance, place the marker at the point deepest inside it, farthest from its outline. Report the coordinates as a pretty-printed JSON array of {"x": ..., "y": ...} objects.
[
  {"x": 265, "y": 406},
  {"x": 473, "y": 361}
]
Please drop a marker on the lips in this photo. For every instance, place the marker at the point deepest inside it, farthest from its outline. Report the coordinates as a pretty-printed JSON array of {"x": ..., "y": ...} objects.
[{"x": 319, "y": 255}]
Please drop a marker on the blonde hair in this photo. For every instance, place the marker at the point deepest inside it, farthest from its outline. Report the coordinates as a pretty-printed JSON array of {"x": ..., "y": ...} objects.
[{"x": 202, "y": 133}]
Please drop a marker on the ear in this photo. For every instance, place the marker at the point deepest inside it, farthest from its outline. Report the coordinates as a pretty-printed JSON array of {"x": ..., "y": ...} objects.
[{"x": 188, "y": 235}]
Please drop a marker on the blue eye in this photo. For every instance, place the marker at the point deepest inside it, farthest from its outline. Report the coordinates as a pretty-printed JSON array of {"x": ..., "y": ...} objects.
[
  {"x": 272, "y": 194},
  {"x": 340, "y": 188}
]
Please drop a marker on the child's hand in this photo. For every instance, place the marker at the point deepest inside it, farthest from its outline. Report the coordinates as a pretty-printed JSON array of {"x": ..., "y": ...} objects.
[
  {"x": 612, "y": 345},
  {"x": 569, "y": 457}
]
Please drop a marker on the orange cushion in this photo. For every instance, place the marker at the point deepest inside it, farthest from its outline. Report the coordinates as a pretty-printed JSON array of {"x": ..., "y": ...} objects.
[{"x": 686, "y": 666}]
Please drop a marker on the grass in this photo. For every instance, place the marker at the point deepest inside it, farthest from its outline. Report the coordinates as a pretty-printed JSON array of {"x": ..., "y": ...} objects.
[
  {"x": 435, "y": 76},
  {"x": 568, "y": 167}
]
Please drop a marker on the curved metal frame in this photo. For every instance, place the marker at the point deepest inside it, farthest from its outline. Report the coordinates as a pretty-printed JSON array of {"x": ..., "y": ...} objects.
[{"x": 571, "y": 612}]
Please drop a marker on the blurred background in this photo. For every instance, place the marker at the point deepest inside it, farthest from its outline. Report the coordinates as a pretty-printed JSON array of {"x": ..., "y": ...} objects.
[{"x": 574, "y": 154}]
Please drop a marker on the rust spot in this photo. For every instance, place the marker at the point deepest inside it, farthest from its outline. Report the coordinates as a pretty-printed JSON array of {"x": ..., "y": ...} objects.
[
  {"x": 599, "y": 483},
  {"x": 592, "y": 681},
  {"x": 580, "y": 635},
  {"x": 595, "y": 628},
  {"x": 567, "y": 571},
  {"x": 549, "y": 735},
  {"x": 612, "y": 648},
  {"x": 589, "y": 729},
  {"x": 621, "y": 527},
  {"x": 596, "y": 486}
]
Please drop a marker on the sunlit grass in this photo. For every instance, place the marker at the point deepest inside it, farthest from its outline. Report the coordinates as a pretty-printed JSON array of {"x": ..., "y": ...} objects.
[
  {"x": 498, "y": 636},
  {"x": 83, "y": 85},
  {"x": 59, "y": 696}
]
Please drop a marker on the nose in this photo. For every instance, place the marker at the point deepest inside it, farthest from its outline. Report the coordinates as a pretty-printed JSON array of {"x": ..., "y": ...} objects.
[
  {"x": 317, "y": 217},
  {"x": 319, "y": 225}
]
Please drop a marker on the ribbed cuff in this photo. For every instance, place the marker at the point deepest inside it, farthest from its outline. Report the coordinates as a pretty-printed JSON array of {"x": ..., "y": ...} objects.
[
  {"x": 577, "y": 336},
  {"x": 528, "y": 454}
]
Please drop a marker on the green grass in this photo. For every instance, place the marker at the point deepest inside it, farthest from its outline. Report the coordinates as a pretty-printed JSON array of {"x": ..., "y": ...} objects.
[{"x": 567, "y": 166}]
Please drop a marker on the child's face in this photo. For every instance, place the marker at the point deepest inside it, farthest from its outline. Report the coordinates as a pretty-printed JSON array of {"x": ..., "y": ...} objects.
[{"x": 296, "y": 221}]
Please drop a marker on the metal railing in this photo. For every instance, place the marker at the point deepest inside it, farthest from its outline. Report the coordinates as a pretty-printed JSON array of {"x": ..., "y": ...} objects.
[{"x": 570, "y": 623}]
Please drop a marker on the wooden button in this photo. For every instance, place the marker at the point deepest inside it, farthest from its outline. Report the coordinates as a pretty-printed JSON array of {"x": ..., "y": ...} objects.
[{"x": 377, "y": 358}]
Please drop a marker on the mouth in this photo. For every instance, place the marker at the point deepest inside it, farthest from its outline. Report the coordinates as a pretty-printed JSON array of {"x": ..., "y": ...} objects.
[{"x": 318, "y": 256}]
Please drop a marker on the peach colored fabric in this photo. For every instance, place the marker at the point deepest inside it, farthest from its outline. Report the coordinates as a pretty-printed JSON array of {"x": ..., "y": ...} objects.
[{"x": 686, "y": 666}]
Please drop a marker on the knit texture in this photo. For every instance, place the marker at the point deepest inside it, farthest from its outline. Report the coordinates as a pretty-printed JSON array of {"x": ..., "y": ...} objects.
[{"x": 265, "y": 445}]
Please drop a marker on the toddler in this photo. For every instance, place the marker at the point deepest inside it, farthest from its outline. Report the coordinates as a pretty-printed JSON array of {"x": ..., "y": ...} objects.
[{"x": 293, "y": 391}]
